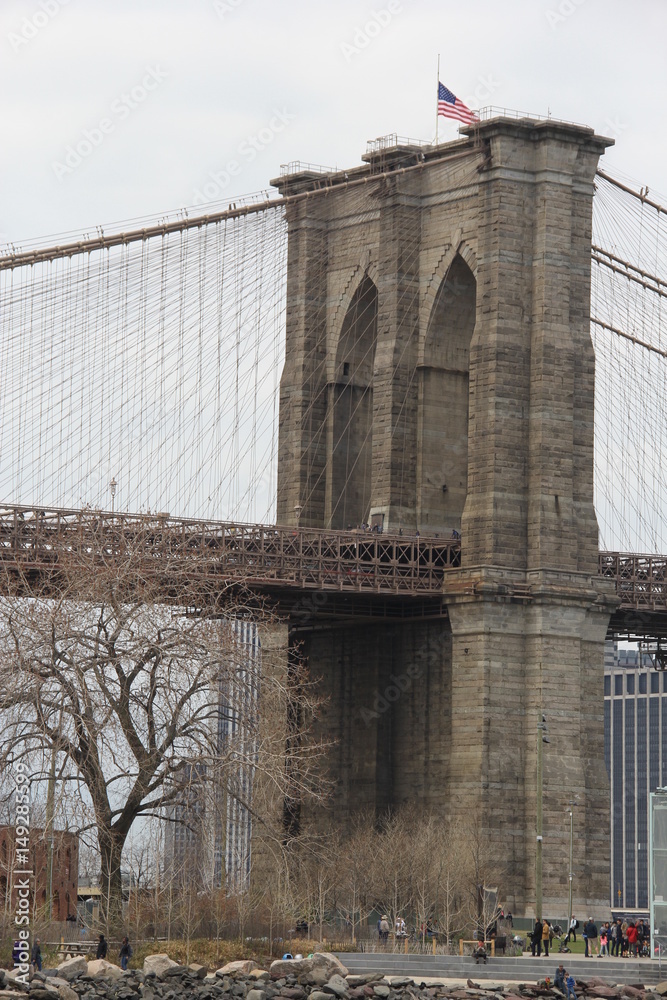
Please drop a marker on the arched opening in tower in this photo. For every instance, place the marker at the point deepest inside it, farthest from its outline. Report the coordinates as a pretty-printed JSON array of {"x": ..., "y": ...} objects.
[
  {"x": 351, "y": 410},
  {"x": 442, "y": 460}
]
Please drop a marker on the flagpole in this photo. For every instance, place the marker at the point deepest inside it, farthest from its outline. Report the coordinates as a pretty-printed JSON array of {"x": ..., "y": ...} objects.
[{"x": 437, "y": 96}]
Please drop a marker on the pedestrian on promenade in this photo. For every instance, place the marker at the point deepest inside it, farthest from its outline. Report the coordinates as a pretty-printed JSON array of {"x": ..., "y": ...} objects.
[
  {"x": 615, "y": 937},
  {"x": 572, "y": 930},
  {"x": 125, "y": 953},
  {"x": 545, "y": 937},
  {"x": 384, "y": 929},
  {"x": 36, "y": 956},
  {"x": 624, "y": 939},
  {"x": 604, "y": 950},
  {"x": 536, "y": 939},
  {"x": 590, "y": 937},
  {"x": 632, "y": 940}
]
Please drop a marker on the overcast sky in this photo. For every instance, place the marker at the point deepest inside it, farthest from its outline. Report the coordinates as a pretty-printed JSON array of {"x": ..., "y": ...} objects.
[{"x": 161, "y": 96}]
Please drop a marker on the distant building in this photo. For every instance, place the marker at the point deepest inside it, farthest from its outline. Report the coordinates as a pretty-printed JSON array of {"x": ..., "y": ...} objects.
[
  {"x": 187, "y": 840},
  {"x": 208, "y": 831},
  {"x": 635, "y": 717},
  {"x": 65, "y": 872},
  {"x": 239, "y": 701}
]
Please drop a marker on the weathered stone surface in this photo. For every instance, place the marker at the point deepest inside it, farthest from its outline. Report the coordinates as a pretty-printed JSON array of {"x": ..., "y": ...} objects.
[
  {"x": 363, "y": 979},
  {"x": 255, "y": 994},
  {"x": 336, "y": 986},
  {"x": 67, "y": 993},
  {"x": 158, "y": 964},
  {"x": 106, "y": 970},
  {"x": 72, "y": 967},
  {"x": 323, "y": 963},
  {"x": 242, "y": 966}
]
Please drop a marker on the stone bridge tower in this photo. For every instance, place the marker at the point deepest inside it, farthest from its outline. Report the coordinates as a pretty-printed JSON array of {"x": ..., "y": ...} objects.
[{"x": 439, "y": 374}]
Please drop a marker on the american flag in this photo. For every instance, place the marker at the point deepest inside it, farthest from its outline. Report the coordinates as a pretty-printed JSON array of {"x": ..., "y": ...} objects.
[{"x": 450, "y": 107}]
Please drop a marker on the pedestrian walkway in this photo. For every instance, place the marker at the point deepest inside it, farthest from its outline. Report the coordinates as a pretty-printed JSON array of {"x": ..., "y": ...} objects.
[{"x": 518, "y": 969}]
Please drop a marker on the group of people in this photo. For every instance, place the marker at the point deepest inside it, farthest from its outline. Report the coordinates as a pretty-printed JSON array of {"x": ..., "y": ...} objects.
[
  {"x": 541, "y": 937},
  {"x": 125, "y": 953},
  {"x": 621, "y": 938},
  {"x": 564, "y": 982}
]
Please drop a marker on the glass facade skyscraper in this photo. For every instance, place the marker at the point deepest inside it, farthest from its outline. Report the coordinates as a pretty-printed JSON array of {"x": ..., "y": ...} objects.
[{"x": 635, "y": 716}]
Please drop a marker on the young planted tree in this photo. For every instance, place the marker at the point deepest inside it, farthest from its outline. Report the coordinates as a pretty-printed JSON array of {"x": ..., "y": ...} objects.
[
  {"x": 124, "y": 680},
  {"x": 482, "y": 875},
  {"x": 390, "y": 870},
  {"x": 356, "y": 853}
]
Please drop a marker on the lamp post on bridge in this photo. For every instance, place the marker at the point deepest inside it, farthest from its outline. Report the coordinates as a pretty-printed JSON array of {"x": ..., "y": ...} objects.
[
  {"x": 297, "y": 512},
  {"x": 112, "y": 486}
]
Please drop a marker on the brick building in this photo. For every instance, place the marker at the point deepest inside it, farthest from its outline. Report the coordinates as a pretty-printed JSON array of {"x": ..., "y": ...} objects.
[{"x": 65, "y": 871}]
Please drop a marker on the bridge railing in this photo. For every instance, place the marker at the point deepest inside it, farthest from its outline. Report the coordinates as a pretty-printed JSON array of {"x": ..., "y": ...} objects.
[
  {"x": 255, "y": 555},
  {"x": 641, "y": 580},
  {"x": 269, "y": 557}
]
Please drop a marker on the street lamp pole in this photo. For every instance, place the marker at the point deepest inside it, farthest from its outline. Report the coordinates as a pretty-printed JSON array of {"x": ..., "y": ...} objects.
[
  {"x": 571, "y": 873},
  {"x": 541, "y": 738}
]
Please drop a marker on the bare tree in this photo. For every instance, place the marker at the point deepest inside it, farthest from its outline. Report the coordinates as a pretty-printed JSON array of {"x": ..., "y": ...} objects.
[
  {"x": 355, "y": 897},
  {"x": 390, "y": 872},
  {"x": 123, "y": 682},
  {"x": 482, "y": 874}
]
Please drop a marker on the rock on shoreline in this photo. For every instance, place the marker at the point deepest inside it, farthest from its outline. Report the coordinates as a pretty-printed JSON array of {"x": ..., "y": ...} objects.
[{"x": 321, "y": 977}]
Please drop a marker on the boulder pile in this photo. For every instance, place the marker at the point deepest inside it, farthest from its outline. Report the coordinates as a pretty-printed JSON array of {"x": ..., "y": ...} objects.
[{"x": 321, "y": 977}]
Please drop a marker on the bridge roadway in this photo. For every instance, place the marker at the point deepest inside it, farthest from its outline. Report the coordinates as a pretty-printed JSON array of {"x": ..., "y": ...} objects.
[{"x": 331, "y": 574}]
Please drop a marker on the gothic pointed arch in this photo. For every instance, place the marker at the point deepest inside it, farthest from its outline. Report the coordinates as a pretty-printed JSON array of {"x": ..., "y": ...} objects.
[
  {"x": 349, "y": 444},
  {"x": 443, "y": 378}
]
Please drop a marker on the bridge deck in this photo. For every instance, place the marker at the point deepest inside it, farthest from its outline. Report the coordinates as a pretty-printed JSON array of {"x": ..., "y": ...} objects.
[{"x": 271, "y": 558}]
